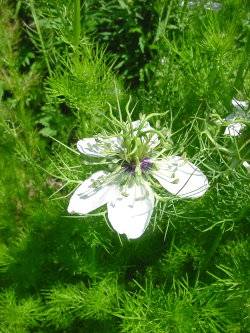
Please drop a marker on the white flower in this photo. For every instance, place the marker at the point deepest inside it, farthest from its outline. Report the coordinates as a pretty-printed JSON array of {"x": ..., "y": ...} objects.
[
  {"x": 190, "y": 4},
  {"x": 235, "y": 127},
  {"x": 210, "y": 5},
  {"x": 126, "y": 190},
  {"x": 215, "y": 6},
  {"x": 246, "y": 165}
]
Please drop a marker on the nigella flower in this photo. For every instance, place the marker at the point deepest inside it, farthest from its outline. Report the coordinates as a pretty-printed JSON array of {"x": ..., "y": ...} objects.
[
  {"x": 127, "y": 189},
  {"x": 236, "y": 119},
  {"x": 215, "y": 6},
  {"x": 209, "y": 5}
]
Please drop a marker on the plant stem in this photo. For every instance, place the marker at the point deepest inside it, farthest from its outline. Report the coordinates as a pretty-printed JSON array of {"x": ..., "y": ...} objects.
[
  {"x": 40, "y": 36},
  {"x": 212, "y": 249},
  {"x": 77, "y": 23}
]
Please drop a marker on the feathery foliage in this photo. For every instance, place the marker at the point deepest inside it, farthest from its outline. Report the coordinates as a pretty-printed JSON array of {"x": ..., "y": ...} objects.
[{"x": 63, "y": 66}]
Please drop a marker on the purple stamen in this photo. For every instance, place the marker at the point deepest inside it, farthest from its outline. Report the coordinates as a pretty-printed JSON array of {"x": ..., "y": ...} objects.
[
  {"x": 129, "y": 167},
  {"x": 145, "y": 165}
]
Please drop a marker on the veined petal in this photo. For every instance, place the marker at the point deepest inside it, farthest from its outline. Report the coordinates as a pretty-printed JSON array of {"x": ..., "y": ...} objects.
[
  {"x": 234, "y": 129},
  {"x": 241, "y": 105},
  {"x": 99, "y": 147},
  {"x": 181, "y": 177},
  {"x": 131, "y": 211},
  {"x": 90, "y": 195},
  {"x": 153, "y": 140}
]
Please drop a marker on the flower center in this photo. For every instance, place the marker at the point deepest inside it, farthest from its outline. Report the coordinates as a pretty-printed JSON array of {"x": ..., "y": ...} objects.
[{"x": 145, "y": 165}]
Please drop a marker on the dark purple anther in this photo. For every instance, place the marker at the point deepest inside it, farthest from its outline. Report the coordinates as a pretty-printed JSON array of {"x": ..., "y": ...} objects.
[
  {"x": 129, "y": 167},
  {"x": 146, "y": 164}
]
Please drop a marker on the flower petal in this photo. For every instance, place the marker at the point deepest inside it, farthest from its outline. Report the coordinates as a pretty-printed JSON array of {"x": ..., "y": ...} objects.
[
  {"x": 210, "y": 5},
  {"x": 234, "y": 129},
  {"x": 90, "y": 195},
  {"x": 131, "y": 211},
  {"x": 234, "y": 119},
  {"x": 240, "y": 105},
  {"x": 246, "y": 165},
  {"x": 190, "y": 4},
  {"x": 152, "y": 138},
  {"x": 181, "y": 177},
  {"x": 99, "y": 147}
]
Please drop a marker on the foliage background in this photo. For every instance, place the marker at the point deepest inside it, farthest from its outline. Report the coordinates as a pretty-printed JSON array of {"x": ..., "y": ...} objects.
[{"x": 60, "y": 62}]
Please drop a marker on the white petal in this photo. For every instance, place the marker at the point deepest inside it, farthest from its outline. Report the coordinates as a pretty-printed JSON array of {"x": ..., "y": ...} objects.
[
  {"x": 246, "y": 165},
  {"x": 190, "y": 4},
  {"x": 234, "y": 129},
  {"x": 99, "y": 147},
  {"x": 181, "y": 177},
  {"x": 153, "y": 137},
  {"x": 239, "y": 104},
  {"x": 90, "y": 195},
  {"x": 210, "y": 5},
  {"x": 131, "y": 211}
]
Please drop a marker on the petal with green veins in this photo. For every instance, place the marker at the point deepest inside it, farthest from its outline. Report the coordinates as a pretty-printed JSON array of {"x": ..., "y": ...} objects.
[
  {"x": 130, "y": 212},
  {"x": 234, "y": 129},
  {"x": 180, "y": 177},
  {"x": 91, "y": 194},
  {"x": 239, "y": 104},
  {"x": 99, "y": 147}
]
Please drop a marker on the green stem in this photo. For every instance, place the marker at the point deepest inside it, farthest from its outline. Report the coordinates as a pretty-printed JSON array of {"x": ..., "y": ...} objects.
[
  {"x": 163, "y": 24},
  {"x": 212, "y": 249},
  {"x": 93, "y": 260},
  {"x": 204, "y": 264},
  {"x": 240, "y": 75},
  {"x": 77, "y": 23},
  {"x": 40, "y": 36}
]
